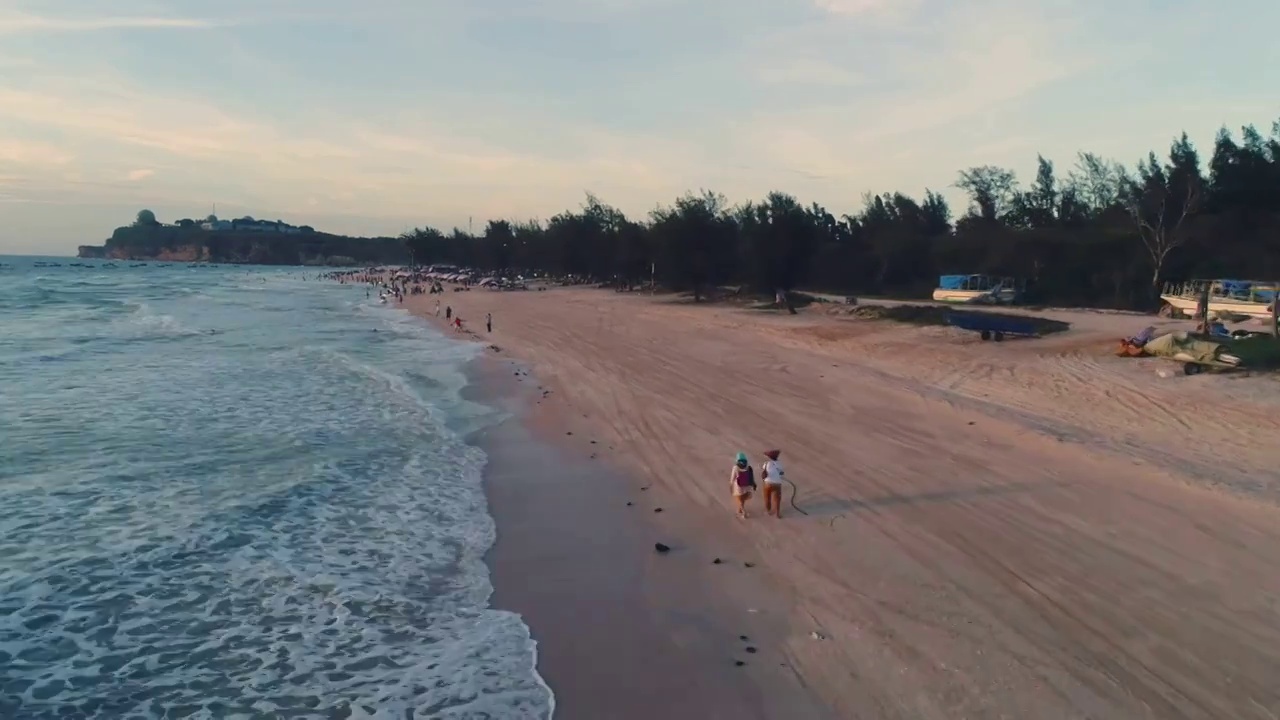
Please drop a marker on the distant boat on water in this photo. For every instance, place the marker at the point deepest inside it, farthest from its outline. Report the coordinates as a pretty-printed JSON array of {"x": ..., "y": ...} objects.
[
  {"x": 1226, "y": 297},
  {"x": 977, "y": 289}
]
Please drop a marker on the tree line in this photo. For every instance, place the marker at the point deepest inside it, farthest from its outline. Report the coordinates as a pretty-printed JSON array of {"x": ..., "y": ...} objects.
[{"x": 1101, "y": 234}]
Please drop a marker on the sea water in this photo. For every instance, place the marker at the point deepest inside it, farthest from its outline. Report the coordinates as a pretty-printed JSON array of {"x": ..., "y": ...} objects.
[{"x": 240, "y": 492}]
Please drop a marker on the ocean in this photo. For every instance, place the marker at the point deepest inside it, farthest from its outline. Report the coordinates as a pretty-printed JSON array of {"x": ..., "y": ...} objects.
[{"x": 241, "y": 492}]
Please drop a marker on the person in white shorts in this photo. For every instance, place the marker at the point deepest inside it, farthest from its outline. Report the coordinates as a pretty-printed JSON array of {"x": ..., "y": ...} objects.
[{"x": 772, "y": 475}]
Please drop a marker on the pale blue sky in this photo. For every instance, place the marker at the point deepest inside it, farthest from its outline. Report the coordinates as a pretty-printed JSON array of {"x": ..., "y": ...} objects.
[{"x": 371, "y": 116}]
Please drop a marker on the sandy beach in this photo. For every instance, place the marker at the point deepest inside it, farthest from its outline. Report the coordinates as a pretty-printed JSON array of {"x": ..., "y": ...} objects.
[
  {"x": 623, "y": 632},
  {"x": 1025, "y": 529}
]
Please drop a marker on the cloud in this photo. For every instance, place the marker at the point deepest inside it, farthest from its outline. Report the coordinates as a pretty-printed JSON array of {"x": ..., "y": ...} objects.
[
  {"x": 332, "y": 109},
  {"x": 366, "y": 162},
  {"x": 958, "y": 68},
  {"x": 12, "y": 23},
  {"x": 139, "y": 174},
  {"x": 836, "y": 91},
  {"x": 808, "y": 71},
  {"x": 108, "y": 113},
  {"x": 863, "y": 8},
  {"x": 7, "y": 62},
  {"x": 29, "y": 152}
]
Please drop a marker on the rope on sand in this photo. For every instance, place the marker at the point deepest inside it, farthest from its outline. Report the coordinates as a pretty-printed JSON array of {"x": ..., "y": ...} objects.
[{"x": 794, "y": 490}]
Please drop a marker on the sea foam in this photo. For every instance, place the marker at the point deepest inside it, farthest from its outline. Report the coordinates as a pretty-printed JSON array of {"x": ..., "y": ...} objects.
[{"x": 253, "y": 504}]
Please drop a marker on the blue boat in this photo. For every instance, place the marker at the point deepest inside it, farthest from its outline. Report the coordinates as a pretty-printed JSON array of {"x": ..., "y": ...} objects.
[
  {"x": 1250, "y": 298},
  {"x": 976, "y": 289}
]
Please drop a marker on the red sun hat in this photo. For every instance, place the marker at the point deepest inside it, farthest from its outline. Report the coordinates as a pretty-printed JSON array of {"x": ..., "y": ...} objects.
[{"x": 772, "y": 454}]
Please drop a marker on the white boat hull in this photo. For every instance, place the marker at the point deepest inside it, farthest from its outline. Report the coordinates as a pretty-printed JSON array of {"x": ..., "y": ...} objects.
[
  {"x": 973, "y": 296},
  {"x": 1218, "y": 306}
]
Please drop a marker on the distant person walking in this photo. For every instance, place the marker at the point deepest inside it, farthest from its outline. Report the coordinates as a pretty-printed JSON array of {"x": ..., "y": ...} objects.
[
  {"x": 488, "y": 322},
  {"x": 742, "y": 481},
  {"x": 772, "y": 476},
  {"x": 448, "y": 312},
  {"x": 437, "y": 308}
]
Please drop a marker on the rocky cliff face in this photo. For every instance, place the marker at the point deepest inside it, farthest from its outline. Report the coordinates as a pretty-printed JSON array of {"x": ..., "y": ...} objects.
[{"x": 181, "y": 253}]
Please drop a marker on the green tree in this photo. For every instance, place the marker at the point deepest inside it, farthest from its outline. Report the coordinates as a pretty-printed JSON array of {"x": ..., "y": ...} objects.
[
  {"x": 992, "y": 191},
  {"x": 781, "y": 238},
  {"x": 1161, "y": 200},
  {"x": 1099, "y": 235},
  {"x": 1097, "y": 183},
  {"x": 696, "y": 239},
  {"x": 426, "y": 245},
  {"x": 498, "y": 245}
]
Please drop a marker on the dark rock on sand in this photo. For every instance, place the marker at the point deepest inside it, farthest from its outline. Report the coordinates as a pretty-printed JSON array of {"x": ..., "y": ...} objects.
[{"x": 661, "y": 548}]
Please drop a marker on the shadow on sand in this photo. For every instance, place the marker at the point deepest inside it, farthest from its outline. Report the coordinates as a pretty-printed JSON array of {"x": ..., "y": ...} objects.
[{"x": 829, "y": 507}]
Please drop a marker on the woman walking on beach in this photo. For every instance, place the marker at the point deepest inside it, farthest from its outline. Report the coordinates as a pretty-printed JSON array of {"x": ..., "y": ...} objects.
[
  {"x": 742, "y": 480},
  {"x": 772, "y": 475}
]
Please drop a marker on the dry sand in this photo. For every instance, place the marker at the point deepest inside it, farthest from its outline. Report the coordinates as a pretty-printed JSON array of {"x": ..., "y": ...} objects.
[{"x": 1030, "y": 529}]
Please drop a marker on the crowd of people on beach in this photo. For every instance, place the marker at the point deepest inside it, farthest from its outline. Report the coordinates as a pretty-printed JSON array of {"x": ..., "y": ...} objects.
[
  {"x": 395, "y": 284},
  {"x": 391, "y": 285}
]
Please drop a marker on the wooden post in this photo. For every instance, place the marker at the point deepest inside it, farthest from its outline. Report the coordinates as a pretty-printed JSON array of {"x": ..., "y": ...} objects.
[
  {"x": 1202, "y": 309},
  {"x": 1275, "y": 312}
]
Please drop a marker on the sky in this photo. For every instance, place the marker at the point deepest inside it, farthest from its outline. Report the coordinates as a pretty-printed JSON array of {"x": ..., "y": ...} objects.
[{"x": 376, "y": 116}]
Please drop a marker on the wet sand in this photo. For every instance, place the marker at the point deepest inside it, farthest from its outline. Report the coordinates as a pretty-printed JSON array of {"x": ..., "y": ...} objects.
[
  {"x": 1024, "y": 529},
  {"x": 623, "y": 632}
]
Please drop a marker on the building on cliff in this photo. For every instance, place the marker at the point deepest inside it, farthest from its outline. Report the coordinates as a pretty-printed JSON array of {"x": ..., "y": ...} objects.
[{"x": 248, "y": 224}]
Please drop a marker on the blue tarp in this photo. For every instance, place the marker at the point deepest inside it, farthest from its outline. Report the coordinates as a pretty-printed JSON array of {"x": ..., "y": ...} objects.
[
  {"x": 1243, "y": 288},
  {"x": 1236, "y": 287}
]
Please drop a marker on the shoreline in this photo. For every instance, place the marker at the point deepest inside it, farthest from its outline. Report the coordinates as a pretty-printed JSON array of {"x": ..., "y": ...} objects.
[{"x": 621, "y": 631}]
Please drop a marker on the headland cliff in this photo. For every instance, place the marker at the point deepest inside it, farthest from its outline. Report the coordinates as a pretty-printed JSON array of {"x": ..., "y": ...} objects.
[{"x": 255, "y": 242}]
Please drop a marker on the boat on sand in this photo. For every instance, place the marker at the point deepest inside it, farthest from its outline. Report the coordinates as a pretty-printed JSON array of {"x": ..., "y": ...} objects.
[
  {"x": 1227, "y": 298},
  {"x": 984, "y": 289}
]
